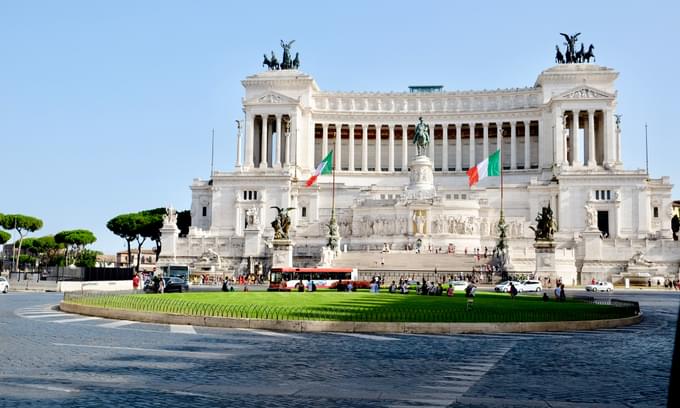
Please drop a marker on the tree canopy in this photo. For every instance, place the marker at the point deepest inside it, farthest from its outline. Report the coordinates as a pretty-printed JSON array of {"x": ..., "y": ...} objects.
[
  {"x": 4, "y": 237},
  {"x": 22, "y": 224}
]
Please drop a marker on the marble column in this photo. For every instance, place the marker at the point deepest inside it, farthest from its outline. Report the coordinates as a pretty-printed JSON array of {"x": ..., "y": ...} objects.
[
  {"x": 445, "y": 147},
  {"x": 279, "y": 144},
  {"x": 404, "y": 147},
  {"x": 485, "y": 140},
  {"x": 473, "y": 160},
  {"x": 263, "y": 147},
  {"x": 431, "y": 146},
  {"x": 364, "y": 148},
  {"x": 527, "y": 144},
  {"x": 324, "y": 140},
  {"x": 238, "y": 144},
  {"x": 378, "y": 148},
  {"x": 250, "y": 134},
  {"x": 390, "y": 163},
  {"x": 592, "y": 158},
  {"x": 459, "y": 150},
  {"x": 499, "y": 140},
  {"x": 338, "y": 147},
  {"x": 286, "y": 131},
  {"x": 609, "y": 135},
  {"x": 513, "y": 145},
  {"x": 350, "y": 158},
  {"x": 576, "y": 140}
]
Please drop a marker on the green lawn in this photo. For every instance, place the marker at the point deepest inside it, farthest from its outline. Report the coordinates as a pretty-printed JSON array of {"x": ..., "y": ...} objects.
[{"x": 359, "y": 306}]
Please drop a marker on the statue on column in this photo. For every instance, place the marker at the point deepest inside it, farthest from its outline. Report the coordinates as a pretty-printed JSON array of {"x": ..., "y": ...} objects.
[
  {"x": 591, "y": 217},
  {"x": 422, "y": 137},
  {"x": 281, "y": 224},
  {"x": 170, "y": 217},
  {"x": 546, "y": 225}
]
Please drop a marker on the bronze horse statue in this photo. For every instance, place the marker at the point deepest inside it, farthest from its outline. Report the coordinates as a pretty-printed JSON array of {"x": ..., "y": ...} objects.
[
  {"x": 559, "y": 58},
  {"x": 589, "y": 54},
  {"x": 579, "y": 54},
  {"x": 272, "y": 63}
]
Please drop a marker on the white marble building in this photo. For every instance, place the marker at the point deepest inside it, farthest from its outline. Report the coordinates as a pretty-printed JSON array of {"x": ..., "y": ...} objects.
[{"x": 561, "y": 144}]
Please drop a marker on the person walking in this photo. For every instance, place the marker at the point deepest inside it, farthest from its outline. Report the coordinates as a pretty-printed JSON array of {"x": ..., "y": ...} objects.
[
  {"x": 161, "y": 285},
  {"x": 513, "y": 290},
  {"x": 563, "y": 294},
  {"x": 557, "y": 293},
  {"x": 135, "y": 283}
]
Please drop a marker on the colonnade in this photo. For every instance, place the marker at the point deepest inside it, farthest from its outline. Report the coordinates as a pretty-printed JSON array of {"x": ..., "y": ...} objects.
[
  {"x": 268, "y": 142},
  {"x": 453, "y": 147},
  {"x": 584, "y": 138}
]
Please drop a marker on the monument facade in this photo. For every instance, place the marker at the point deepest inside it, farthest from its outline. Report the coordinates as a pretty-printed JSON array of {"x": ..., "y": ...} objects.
[{"x": 560, "y": 142}]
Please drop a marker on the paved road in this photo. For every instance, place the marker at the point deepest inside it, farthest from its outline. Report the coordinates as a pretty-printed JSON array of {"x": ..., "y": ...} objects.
[{"x": 53, "y": 359}]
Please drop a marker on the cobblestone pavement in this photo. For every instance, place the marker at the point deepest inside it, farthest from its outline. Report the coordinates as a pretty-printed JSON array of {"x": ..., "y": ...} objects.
[{"x": 54, "y": 359}]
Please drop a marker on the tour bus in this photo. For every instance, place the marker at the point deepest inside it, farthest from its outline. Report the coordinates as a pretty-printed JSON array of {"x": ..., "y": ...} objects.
[
  {"x": 176, "y": 271},
  {"x": 285, "y": 279}
]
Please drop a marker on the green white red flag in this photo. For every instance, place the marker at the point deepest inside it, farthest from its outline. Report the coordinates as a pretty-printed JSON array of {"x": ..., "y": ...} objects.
[
  {"x": 491, "y": 166},
  {"x": 325, "y": 167}
]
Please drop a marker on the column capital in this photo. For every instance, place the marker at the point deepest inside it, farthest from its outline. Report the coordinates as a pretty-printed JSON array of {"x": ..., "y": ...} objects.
[
  {"x": 527, "y": 122},
  {"x": 591, "y": 111},
  {"x": 485, "y": 124}
]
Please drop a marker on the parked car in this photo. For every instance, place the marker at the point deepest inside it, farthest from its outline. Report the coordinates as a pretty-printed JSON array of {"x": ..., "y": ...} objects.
[
  {"x": 4, "y": 285},
  {"x": 531, "y": 286},
  {"x": 600, "y": 287},
  {"x": 172, "y": 284},
  {"x": 504, "y": 286}
]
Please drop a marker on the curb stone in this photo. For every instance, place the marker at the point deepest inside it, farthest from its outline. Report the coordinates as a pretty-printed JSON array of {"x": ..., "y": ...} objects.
[{"x": 313, "y": 326}]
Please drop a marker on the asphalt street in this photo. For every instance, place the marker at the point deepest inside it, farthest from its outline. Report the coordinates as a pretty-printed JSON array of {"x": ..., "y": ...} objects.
[{"x": 53, "y": 359}]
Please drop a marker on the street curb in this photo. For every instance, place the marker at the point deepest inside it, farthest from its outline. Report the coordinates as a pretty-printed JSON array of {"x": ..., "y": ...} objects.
[{"x": 348, "y": 327}]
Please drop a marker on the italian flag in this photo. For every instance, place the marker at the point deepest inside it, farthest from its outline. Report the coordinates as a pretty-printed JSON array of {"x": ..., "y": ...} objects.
[
  {"x": 325, "y": 167},
  {"x": 491, "y": 166}
]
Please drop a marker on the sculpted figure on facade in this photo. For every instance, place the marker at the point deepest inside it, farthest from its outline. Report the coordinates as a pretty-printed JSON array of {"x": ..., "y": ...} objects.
[
  {"x": 170, "y": 217},
  {"x": 591, "y": 217},
  {"x": 252, "y": 217},
  {"x": 419, "y": 219}
]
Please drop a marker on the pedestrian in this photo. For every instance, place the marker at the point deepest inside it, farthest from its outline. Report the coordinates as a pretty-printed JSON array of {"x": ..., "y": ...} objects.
[
  {"x": 135, "y": 283},
  {"x": 545, "y": 297},
  {"x": 563, "y": 294},
  {"x": 513, "y": 290},
  {"x": 557, "y": 293},
  {"x": 161, "y": 285},
  {"x": 449, "y": 292}
]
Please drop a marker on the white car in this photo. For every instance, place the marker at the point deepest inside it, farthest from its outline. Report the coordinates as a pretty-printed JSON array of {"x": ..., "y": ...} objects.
[
  {"x": 4, "y": 285},
  {"x": 531, "y": 286},
  {"x": 600, "y": 287},
  {"x": 505, "y": 286},
  {"x": 458, "y": 285}
]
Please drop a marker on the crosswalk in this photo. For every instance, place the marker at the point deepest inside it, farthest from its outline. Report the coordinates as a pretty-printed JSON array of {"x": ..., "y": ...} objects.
[{"x": 454, "y": 382}]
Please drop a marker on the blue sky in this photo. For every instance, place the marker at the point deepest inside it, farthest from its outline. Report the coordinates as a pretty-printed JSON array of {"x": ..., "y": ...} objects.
[{"x": 107, "y": 107}]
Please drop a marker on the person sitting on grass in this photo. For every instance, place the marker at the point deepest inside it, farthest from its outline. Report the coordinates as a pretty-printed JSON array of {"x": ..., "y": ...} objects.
[
  {"x": 393, "y": 287},
  {"x": 470, "y": 290},
  {"x": 545, "y": 297},
  {"x": 350, "y": 287}
]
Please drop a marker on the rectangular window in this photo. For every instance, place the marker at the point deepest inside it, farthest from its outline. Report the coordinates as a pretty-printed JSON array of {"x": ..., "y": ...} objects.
[
  {"x": 304, "y": 211},
  {"x": 205, "y": 211},
  {"x": 463, "y": 196},
  {"x": 597, "y": 194},
  {"x": 448, "y": 196},
  {"x": 254, "y": 195},
  {"x": 456, "y": 196},
  {"x": 609, "y": 194},
  {"x": 245, "y": 195},
  {"x": 656, "y": 212}
]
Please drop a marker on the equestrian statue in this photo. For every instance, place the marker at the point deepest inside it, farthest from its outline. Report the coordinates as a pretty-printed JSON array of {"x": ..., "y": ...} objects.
[{"x": 421, "y": 138}]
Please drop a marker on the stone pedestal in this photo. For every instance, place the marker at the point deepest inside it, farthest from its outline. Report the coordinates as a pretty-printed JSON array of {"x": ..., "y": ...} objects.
[
  {"x": 421, "y": 180},
  {"x": 546, "y": 262},
  {"x": 556, "y": 264},
  {"x": 169, "y": 237},
  {"x": 282, "y": 253},
  {"x": 252, "y": 242}
]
